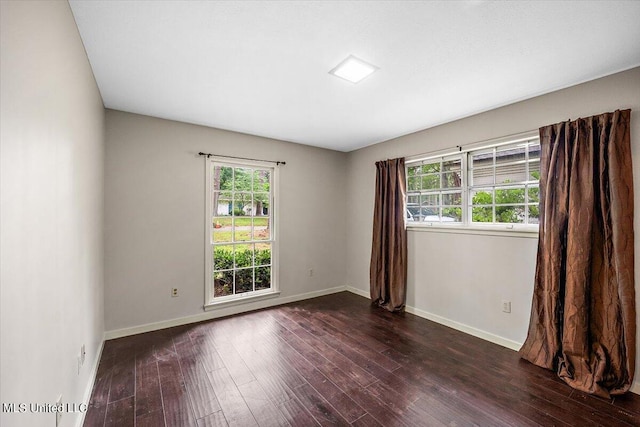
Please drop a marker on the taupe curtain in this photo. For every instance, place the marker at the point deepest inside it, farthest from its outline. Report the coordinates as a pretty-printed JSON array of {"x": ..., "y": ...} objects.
[
  {"x": 388, "y": 271},
  {"x": 583, "y": 315}
]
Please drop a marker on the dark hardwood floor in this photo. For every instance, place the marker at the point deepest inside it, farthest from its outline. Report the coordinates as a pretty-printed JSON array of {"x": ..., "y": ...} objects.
[{"x": 333, "y": 360}]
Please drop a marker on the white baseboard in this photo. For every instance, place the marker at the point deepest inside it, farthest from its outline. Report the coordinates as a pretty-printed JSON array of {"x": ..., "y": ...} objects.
[
  {"x": 359, "y": 292},
  {"x": 222, "y": 312},
  {"x": 92, "y": 379},
  {"x": 487, "y": 336}
]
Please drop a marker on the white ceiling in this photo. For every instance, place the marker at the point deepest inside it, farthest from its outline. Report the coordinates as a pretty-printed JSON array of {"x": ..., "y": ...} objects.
[{"x": 262, "y": 67}]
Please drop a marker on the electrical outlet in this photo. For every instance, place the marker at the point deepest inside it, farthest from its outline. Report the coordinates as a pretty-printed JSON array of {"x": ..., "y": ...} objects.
[
  {"x": 506, "y": 306},
  {"x": 311, "y": 272},
  {"x": 174, "y": 292},
  {"x": 83, "y": 354},
  {"x": 58, "y": 410}
]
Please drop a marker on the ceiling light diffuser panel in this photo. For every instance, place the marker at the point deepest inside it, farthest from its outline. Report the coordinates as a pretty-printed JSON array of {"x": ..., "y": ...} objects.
[{"x": 353, "y": 69}]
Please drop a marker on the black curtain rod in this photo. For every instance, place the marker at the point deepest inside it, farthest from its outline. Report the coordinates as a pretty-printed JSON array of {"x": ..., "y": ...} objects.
[{"x": 277, "y": 162}]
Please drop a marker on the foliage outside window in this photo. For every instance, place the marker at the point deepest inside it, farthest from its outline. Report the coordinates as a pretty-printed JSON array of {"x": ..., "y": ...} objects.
[
  {"x": 241, "y": 230},
  {"x": 491, "y": 186}
]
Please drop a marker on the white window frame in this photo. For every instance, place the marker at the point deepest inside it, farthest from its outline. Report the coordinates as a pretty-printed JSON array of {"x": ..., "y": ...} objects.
[
  {"x": 467, "y": 226},
  {"x": 219, "y": 302}
]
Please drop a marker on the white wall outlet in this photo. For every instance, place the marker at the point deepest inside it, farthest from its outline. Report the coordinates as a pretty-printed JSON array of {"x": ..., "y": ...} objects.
[
  {"x": 83, "y": 354},
  {"x": 506, "y": 306},
  {"x": 58, "y": 410},
  {"x": 174, "y": 292},
  {"x": 311, "y": 272}
]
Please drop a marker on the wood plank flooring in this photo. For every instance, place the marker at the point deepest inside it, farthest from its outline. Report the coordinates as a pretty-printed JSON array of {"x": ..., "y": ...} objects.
[{"x": 333, "y": 360}]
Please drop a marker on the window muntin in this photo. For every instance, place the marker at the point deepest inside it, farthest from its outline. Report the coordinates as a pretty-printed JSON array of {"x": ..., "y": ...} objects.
[
  {"x": 495, "y": 185},
  {"x": 241, "y": 231}
]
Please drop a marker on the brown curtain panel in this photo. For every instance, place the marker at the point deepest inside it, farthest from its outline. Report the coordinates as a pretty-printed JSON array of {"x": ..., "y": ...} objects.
[
  {"x": 388, "y": 271},
  {"x": 583, "y": 315}
]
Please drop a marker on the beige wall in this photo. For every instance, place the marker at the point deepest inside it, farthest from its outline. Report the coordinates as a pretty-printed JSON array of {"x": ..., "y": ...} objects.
[
  {"x": 155, "y": 216},
  {"x": 463, "y": 278},
  {"x": 51, "y": 227}
]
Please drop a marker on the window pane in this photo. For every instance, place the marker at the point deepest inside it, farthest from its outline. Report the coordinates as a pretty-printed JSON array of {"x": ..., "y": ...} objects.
[
  {"x": 261, "y": 230},
  {"x": 242, "y": 204},
  {"x": 260, "y": 204},
  {"x": 242, "y": 229},
  {"x": 510, "y": 214},
  {"x": 220, "y": 203},
  {"x": 431, "y": 181},
  {"x": 429, "y": 200},
  {"x": 413, "y": 183},
  {"x": 451, "y": 180},
  {"x": 534, "y": 214},
  {"x": 482, "y": 176},
  {"x": 261, "y": 180},
  {"x": 482, "y": 197},
  {"x": 430, "y": 214},
  {"x": 413, "y": 170},
  {"x": 222, "y": 283},
  {"x": 242, "y": 179},
  {"x": 263, "y": 278},
  {"x": 510, "y": 153},
  {"x": 511, "y": 173},
  {"x": 430, "y": 210},
  {"x": 244, "y": 280},
  {"x": 481, "y": 159},
  {"x": 534, "y": 151},
  {"x": 482, "y": 214},
  {"x": 221, "y": 229},
  {"x": 534, "y": 171},
  {"x": 242, "y": 207},
  {"x": 431, "y": 167},
  {"x": 263, "y": 254},
  {"x": 413, "y": 208},
  {"x": 452, "y": 199},
  {"x": 534, "y": 195},
  {"x": 222, "y": 178},
  {"x": 452, "y": 165},
  {"x": 509, "y": 196},
  {"x": 222, "y": 257},
  {"x": 244, "y": 256},
  {"x": 452, "y": 214}
]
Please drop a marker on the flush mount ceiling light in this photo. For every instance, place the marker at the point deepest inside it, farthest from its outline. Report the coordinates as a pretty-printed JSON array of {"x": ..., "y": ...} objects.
[{"x": 353, "y": 69}]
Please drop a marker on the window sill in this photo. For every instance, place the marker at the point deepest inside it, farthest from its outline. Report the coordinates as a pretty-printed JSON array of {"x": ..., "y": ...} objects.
[
  {"x": 529, "y": 233},
  {"x": 240, "y": 300}
]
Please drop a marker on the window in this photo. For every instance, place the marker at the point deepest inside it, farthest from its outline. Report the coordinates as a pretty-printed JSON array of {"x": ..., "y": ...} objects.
[
  {"x": 434, "y": 189},
  {"x": 496, "y": 185},
  {"x": 503, "y": 185},
  {"x": 240, "y": 235}
]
